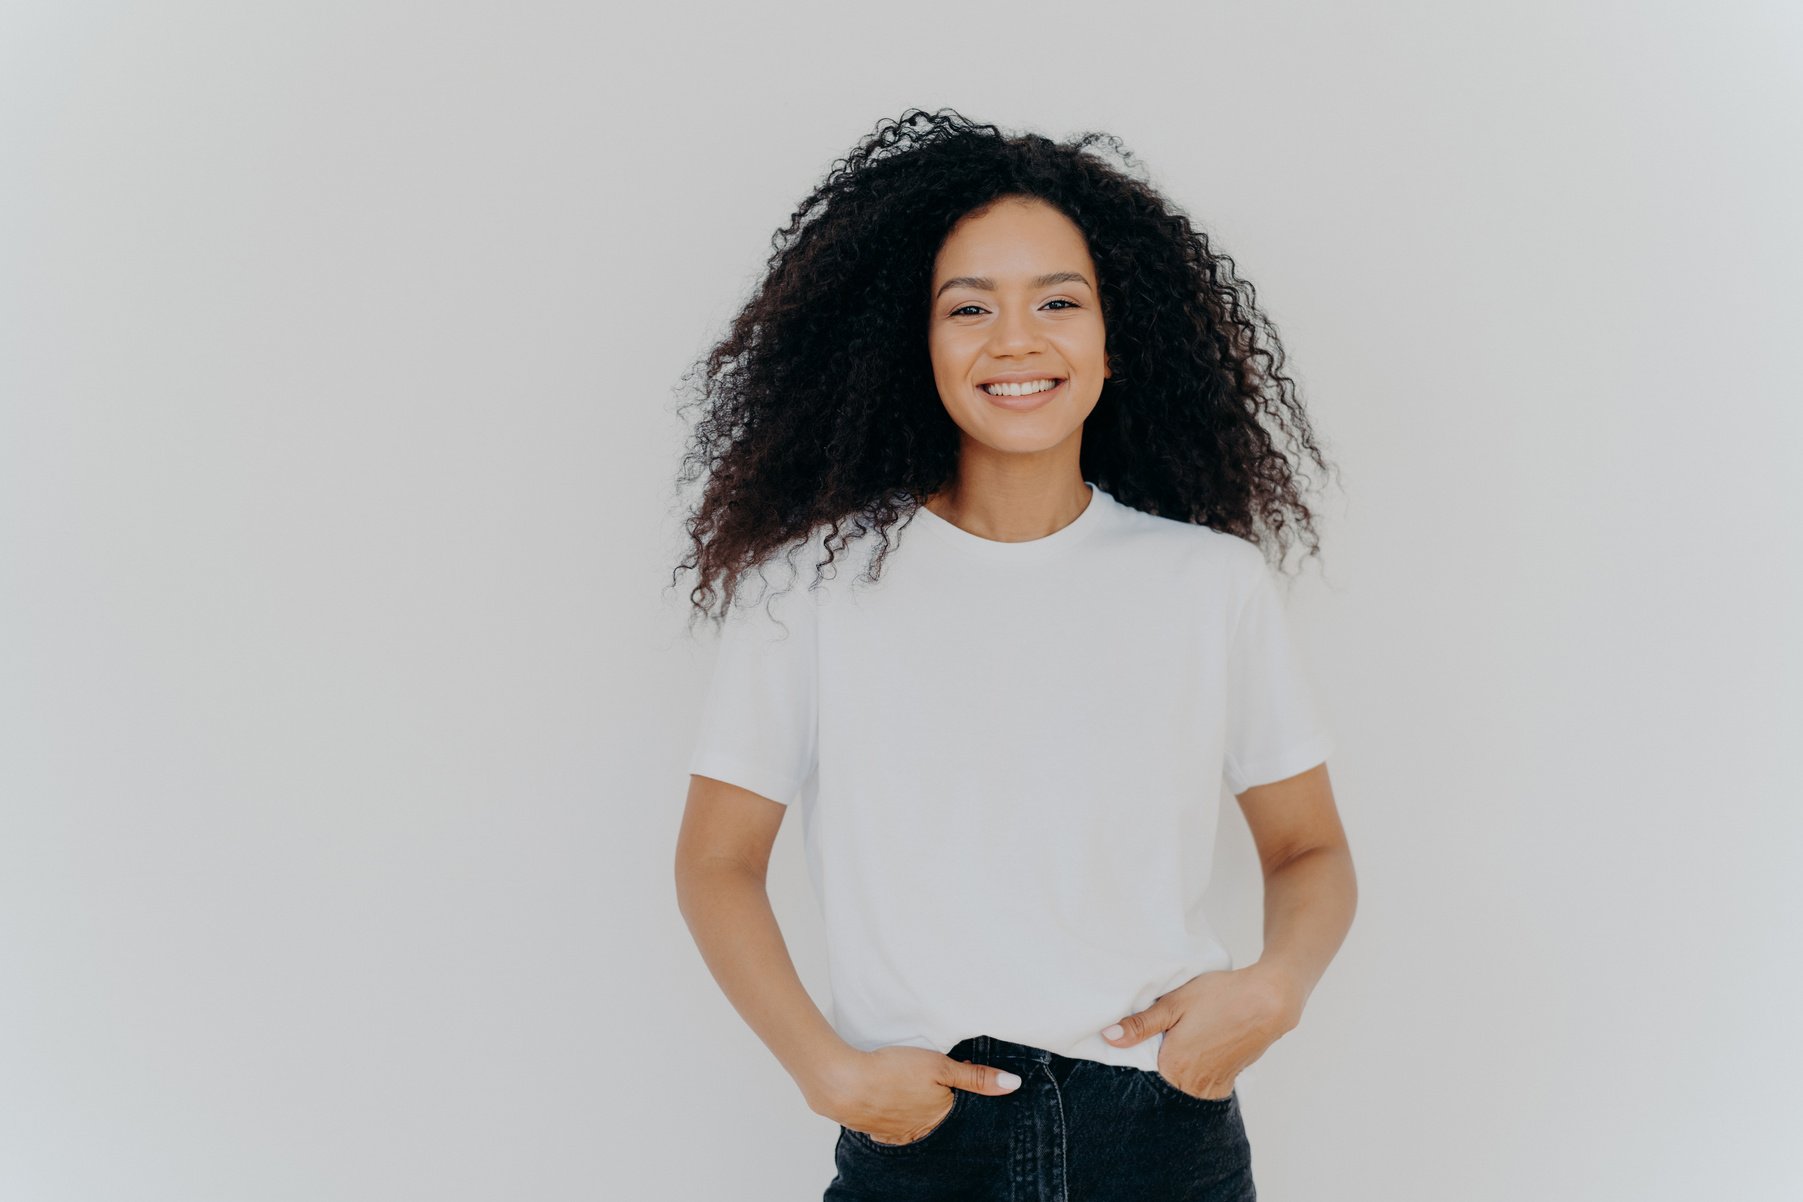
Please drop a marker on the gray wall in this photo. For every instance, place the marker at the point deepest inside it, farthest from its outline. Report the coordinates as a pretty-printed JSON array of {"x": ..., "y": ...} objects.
[{"x": 344, "y": 706}]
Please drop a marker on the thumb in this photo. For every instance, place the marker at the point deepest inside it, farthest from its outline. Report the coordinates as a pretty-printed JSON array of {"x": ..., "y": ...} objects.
[
  {"x": 1136, "y": 1027},
  {"x": 979, "y": 1078}
]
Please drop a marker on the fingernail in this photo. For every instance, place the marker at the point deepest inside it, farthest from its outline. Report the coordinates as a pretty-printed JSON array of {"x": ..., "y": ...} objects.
[
  {"x": 1114, "y": 1032},
  {"x": 1007, "y": 1080}
]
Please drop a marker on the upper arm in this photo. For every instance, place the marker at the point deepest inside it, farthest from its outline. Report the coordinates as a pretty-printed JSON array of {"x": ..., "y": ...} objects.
[
  {"x": 759, "y": 720},
  {"x": 1275, "y": 725},
  {"x": 727, "y": 824},
  {"x": 755, "y": 744},
  {"x": 1290, "y": 816}
]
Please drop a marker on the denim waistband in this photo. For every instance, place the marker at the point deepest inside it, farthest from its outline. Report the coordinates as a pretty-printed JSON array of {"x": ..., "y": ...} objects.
[{"x": 989, "y": 1049}]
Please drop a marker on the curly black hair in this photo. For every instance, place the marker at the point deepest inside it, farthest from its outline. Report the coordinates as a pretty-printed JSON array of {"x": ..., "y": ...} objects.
[{"x": 820, "y": 403}]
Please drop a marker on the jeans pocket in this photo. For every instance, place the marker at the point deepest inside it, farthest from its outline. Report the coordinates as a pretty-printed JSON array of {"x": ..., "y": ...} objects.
[
  {"x": 1169, "y": 1087},
  {"x": 959, "y": 1097}
]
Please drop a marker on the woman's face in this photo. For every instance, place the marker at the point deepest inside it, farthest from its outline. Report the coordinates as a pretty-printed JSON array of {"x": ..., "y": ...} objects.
[{"x": 1014, "y": 298}]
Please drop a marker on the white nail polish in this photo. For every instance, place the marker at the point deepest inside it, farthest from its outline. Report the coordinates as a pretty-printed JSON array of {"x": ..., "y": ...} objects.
[{"x": 1007, "y": 1080}]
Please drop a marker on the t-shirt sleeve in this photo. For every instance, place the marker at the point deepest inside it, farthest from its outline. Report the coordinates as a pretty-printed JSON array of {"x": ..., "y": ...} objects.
[
  {"x": 759, "y": 717},
  {"x": 1275, "y": 726}
]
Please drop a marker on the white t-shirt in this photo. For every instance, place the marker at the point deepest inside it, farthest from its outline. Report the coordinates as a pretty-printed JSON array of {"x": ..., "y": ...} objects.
[{"x": 1010, "y": 758}]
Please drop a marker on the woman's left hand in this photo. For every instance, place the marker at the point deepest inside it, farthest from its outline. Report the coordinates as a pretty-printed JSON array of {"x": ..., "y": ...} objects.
[{"x": 1215, "y": 1026}]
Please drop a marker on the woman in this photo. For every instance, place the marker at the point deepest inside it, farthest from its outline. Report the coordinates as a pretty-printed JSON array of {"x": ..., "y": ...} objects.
[{"x": 1008, "y": 732}]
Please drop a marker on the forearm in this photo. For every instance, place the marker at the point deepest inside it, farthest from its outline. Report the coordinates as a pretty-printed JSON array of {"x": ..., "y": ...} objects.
[
  {"x": 729, "y": 915},
  {"x": 1309, "y": 903}
]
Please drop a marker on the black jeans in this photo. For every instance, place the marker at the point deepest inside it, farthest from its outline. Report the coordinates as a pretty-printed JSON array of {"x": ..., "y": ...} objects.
[{"x": 1075, "y": 1131}]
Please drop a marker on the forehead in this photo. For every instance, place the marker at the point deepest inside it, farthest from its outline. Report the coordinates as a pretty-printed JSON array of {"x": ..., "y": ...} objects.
[{"x": 1012, "y": 238}]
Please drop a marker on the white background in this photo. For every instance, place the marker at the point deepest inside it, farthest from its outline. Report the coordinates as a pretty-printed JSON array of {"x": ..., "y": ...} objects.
[{"x": 345, "y": 696}]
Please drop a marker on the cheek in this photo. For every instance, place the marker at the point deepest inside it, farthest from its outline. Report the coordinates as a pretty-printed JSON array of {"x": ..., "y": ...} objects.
[
  {"x": 1088, "y": 347},
  {"x": 948, "y": 358},
  {"x": 938, "y": 351}
]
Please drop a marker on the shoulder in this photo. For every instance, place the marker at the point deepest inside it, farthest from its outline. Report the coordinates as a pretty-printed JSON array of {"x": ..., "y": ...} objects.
[
  {"x": 1216, "y": 554},
  {"x": 779, "y": 591}
]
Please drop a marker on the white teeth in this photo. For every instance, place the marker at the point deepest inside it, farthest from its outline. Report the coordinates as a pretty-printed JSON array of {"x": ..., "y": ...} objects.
[{"x": 1019, "y": 389}]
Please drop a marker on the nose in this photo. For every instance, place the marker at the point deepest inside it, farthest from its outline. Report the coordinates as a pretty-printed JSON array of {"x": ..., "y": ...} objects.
[{"x": 1015, "y": 333}]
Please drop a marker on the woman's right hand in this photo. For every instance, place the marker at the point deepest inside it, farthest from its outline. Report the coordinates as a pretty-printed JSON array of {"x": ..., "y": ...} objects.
[{"x": 898, "y": 1094}]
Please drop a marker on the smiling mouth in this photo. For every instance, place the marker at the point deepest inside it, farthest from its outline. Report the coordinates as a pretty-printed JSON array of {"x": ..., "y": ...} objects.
[
  {"x": 1029, "y": 400},
  {"x": 1004, "y": 388}
]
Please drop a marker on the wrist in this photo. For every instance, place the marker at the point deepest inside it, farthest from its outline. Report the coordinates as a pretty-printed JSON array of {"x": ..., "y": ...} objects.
[
  {"x": 830, "y": 1076},
  {"x": 1285, "y": 990}
]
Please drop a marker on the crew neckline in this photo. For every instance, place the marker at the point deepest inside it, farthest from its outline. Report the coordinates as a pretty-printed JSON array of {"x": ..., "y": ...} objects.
[{"x": 1026, "y": 550}]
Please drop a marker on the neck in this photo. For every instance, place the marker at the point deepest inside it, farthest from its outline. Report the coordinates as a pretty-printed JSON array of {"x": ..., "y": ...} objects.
[{"x": 1012, "y": 508}]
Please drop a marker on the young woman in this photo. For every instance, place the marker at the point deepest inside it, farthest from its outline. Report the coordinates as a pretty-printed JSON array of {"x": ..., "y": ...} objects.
[{"x": 1057, "y": 408}]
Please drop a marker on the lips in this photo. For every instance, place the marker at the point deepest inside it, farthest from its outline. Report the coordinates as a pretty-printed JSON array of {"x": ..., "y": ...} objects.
[
  {"x": 1032, "y": 400},
  {"x": 1020, "y": 377}
]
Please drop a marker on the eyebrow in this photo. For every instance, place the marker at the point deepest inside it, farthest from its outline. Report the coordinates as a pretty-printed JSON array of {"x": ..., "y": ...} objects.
[{"x": 988, "y": 285}]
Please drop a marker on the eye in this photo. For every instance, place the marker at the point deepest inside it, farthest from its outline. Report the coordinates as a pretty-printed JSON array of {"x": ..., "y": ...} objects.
[{"x": 1057, "y": 300}]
